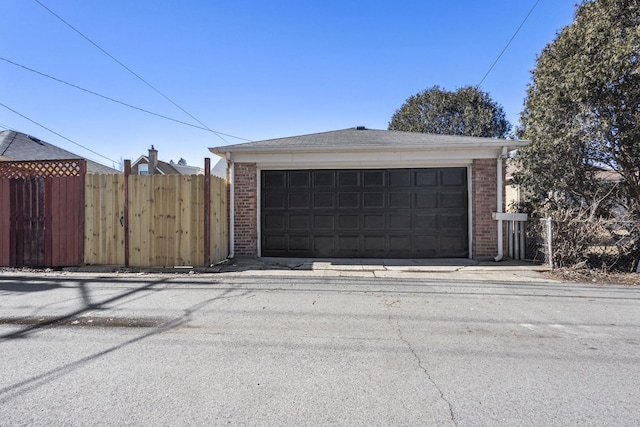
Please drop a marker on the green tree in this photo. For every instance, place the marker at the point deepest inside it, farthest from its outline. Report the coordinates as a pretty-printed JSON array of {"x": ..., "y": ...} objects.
[
  {"x": 467, "y": 111},
  {"x": 582, "y": 112}
]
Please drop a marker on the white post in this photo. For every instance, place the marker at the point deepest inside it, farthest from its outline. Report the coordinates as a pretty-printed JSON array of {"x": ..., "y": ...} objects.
[
  {"x": 523, "y": 242},
  {"x": 550, "y": 242},
  {"x": 232, "y": 208},
  {"x": 510, "y": 239},
  {"x": 516, "y": 240},
  {"x": 499, "y": 189}
]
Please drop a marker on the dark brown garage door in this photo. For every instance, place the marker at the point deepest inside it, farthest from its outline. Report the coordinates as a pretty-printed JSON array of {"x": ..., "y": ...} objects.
[{"x": 388, "y": 213}]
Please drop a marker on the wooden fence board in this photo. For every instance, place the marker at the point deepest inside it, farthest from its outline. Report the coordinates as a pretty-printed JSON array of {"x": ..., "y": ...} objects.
[
  {"x": 219, "y": 220},
  {"x": 197, "y": 221},
  {"x": 104, "y": 219},
  {"x": 63, "y": 221},
  {"x": 5, "y": 222}
]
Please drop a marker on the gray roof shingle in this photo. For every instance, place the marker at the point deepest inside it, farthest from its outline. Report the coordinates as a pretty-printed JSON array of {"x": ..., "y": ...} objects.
[
  {"x": 360, "y": 138},
  {"x": 19, "y": 146}
]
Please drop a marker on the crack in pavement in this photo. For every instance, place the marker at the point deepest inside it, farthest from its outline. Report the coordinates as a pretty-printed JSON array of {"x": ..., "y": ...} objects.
[{"x": 423, "y": 368}]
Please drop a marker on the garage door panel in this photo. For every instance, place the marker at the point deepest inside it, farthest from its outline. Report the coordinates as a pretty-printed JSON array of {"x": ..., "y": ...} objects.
[
  {"x": 350, "y": 200},
  {"x": 453, "y": 199},
  {"x": 374, "y": 178},
  {"x": 299, "y": 179},
  {"x": 324, "y": 222},
  {"x": 450, "y": 246},
  {"x": 426, "y": 221},
  {"x": 375, "y": 244},
  {"x": 324, "y": 245},
  {"x": 299, "y": 222},
  {"x": 399, "y": 222},
  {"x": 299, "y": 243},
  {"x": 453, "y": 177},
  {"x": 399, "y": 243},
  {"x": 324, "y": 200},
  {"x": 427, "y": 178},
  {"x": 349, "y": 222},
  {"x": 324, "y": 179},
  {"x": 426, "y": 199},
  {"x": 274, "y": 201},
  {"x": 274, "y": 222},
  {"x": 348, "y": 179},
  {"x": 455, "y": 221},
  {"x": 374, "y": 221},
  {"x": 299, "y": 201},
  {"x": 275, "y": 243},
  {"x": 373, "y": 200},
  {"x": 274, "y": 180},
  {"x": 402, "y": 213},
  {"x": 400, "y": 178},
  {"x": 349, "y": 243},
  {"x": 400, "y": 200},
  {"x": 424, "y": 242}
]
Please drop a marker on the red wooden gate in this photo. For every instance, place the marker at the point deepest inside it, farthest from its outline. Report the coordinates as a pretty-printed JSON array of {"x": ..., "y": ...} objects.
[{"x": 41, "y": 218}]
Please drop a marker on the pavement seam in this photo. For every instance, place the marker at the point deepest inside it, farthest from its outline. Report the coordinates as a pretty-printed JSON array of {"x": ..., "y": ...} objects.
[{"x": 423, "y": 368}]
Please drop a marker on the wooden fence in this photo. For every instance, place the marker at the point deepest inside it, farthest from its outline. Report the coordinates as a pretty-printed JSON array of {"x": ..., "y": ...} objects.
[
  {"x": 53, "y": 215},
  {"x": 166, "y": 217},
  {"x": 41, "y": 213}
]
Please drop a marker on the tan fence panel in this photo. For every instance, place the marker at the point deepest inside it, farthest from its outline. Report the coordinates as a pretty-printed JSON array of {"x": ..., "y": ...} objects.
[
  {"x": 166, "y": 220},
  {"x": 219, "y": 220},
  {"x": 104, "y": 219}
]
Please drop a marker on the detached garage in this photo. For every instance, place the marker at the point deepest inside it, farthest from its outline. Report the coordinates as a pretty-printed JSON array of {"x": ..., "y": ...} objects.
[{"x": 361, "y": 193}]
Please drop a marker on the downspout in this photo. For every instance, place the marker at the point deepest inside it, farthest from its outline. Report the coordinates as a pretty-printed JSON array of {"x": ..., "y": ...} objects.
[
  {"x": 499, "y": 185},
  {"x": 232, "y": 207}
]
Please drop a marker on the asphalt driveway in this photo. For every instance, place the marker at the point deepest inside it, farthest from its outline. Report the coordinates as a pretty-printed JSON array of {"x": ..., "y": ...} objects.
[{"x": 293, "y": 347}]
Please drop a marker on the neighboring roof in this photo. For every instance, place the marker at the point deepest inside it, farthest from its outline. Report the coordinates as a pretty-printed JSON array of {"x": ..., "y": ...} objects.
[
  {"x": 163, "y": 167},
  {"x": 188, "y": 170},
  {"x": 220, "y": 169},
  {"x": 360, "y": 138},
  {"x": 19, "y": 146}
]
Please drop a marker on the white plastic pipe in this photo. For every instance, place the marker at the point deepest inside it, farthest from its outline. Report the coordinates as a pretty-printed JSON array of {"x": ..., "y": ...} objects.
[
  {"x": 499, "y": 184},
  {"x": 232, "y": 208}
]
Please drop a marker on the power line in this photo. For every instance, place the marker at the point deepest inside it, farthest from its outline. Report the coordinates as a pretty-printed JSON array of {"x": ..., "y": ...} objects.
[
  {"x": 56, "y": 133},
  {"x": 126, "y": 68},
  {"x": 508, "y": 43},
  {"x": 116, "y": 101}
]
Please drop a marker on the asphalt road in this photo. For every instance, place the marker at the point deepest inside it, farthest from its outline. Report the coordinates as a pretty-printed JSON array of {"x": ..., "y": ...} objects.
[{"x": 232, "y": 350}]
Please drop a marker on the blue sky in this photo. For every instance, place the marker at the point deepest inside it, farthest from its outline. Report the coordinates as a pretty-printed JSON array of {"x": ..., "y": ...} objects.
[{"x": 252, "y": 69}]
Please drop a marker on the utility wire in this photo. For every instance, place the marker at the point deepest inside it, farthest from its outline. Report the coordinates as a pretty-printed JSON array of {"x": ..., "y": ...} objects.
[
  {"x": 115, "y": 100},
  {"x": 508, "y": 43},
  {"x": 127, "y": 68},
  {"x": 56, "y": 133}
]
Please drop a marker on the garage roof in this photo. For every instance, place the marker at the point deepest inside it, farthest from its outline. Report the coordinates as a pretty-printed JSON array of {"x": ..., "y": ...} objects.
[{"x": 360, "y": 138}]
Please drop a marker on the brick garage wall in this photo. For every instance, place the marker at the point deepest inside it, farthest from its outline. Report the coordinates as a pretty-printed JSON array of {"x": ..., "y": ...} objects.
[
  {"x": 485, "y": 229},
  {"x": 246, "y": 210}
]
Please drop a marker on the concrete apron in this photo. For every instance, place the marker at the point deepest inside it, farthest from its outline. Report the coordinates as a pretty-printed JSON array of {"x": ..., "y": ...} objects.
[{"x": 445, "y": 268}]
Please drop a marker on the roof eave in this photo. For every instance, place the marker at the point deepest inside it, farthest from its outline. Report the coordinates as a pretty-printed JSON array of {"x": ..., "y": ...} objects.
[{"x": 498, "y": 144}]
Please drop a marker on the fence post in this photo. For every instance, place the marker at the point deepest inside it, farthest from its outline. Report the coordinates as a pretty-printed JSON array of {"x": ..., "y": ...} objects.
[
  {"x": 83, "y": 174},
  {"x": 207, "y": 211},
  {"x": 550, "y": 241},
  {"x": 127, "y": 172}
]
